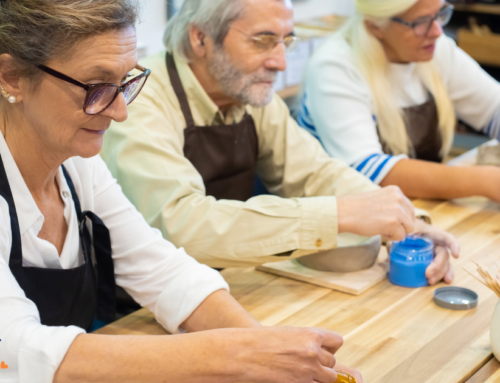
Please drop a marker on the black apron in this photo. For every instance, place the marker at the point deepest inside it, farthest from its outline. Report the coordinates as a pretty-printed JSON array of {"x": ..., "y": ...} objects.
[
  {"x": 66, "y": 297},
  {"x": 224, "y": 155},
  {"x": 422, "y": 128}
]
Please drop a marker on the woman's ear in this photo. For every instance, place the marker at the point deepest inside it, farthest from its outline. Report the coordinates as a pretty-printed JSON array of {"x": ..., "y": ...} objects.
[
  {"x": 374, "y": 29},
  {"x": 9, "y": 80}
]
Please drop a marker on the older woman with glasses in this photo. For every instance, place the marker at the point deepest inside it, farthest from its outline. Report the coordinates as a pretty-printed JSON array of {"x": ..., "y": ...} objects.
[
  {"x": 385, "y": 92},
  {"x": 68, "y": 234}
]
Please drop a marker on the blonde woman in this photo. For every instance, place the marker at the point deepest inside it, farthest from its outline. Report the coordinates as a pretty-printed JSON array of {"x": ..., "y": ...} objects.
[{"x": 384, "y": 95}]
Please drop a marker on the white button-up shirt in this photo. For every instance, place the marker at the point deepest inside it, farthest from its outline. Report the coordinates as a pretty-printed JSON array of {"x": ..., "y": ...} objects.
[{"x": 156, "y": 274}]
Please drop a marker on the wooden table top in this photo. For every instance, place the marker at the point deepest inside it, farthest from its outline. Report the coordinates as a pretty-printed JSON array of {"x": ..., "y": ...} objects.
[{"x": 392, "y": 334}]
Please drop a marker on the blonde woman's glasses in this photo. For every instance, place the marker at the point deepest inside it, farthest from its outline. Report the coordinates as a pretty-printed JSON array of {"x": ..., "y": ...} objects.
[
  {"x": 422, "y": 26},
  {"x": 269, "y": 42}
]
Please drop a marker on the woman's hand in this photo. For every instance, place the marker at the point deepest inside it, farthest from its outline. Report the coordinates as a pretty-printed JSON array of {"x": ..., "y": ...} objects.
[
  {"x": 444, "y": 244},
  {"x": 286, "y": 355}
]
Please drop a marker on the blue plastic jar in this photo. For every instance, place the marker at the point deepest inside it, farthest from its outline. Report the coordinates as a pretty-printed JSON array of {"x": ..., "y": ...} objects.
[{"x": 408, "y": 261}]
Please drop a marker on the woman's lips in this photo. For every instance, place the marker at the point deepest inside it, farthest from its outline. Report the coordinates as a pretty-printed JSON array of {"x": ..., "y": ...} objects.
[
  {"x": 97, "y": 132},
  {"x": 430, "y": 48}
]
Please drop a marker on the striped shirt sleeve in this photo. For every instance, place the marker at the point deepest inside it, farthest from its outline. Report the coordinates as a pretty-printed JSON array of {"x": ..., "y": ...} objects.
[{"x": 377, "y": 166}]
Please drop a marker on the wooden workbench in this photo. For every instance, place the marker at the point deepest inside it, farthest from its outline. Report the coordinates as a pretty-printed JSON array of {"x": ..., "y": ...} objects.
[{"x": 392, "y": 334}]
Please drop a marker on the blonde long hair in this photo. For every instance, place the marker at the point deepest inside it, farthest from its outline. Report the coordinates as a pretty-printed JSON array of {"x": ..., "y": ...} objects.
[{"x": 370, "y": 58}]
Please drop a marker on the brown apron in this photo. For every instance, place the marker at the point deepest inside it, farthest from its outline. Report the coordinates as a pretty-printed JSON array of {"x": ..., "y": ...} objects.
[
  {"x": 224, "y": 155},
  {"x": 422, "y": 127}
]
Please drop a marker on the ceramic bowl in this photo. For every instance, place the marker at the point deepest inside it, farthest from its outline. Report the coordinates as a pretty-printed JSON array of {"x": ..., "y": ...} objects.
[
  {"x": 355, "y": 254},
  {"x": 489, "y": 154}
]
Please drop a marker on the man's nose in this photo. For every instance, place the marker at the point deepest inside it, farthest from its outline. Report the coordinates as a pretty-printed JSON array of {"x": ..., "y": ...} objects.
[{"x": 277, "y": 58}]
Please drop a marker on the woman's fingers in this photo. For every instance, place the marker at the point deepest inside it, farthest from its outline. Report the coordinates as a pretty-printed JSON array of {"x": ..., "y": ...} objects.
[
  {"x": 327, "y": 359},
  {"x": 332, "y": 341},
  {"x": 325, "y": 375}
]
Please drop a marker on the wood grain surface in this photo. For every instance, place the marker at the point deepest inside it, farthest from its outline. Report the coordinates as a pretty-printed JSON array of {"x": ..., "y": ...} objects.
[{"x": 392, "y": 334}]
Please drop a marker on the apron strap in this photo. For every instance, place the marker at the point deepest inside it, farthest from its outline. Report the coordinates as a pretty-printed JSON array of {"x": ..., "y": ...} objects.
[
  {"x": 106, "y": 284},
  {"x": 176, "y": 82},
  {"x": 16, "y": 251}
]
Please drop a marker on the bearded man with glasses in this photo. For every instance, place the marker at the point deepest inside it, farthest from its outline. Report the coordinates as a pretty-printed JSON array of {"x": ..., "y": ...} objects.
[{"x": 207, "y": 122}]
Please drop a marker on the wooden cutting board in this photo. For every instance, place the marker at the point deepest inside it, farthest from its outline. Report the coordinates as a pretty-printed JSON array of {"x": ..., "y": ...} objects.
[{"x": 352, "y": 283}]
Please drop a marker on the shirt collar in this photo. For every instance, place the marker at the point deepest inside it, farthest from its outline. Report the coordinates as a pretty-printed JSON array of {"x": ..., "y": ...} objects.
[
  {"x": 27, "y": 210},
  {"x": 199, "y": 99},
  {"x": 64, "y": 189},
  {"x": 26, "y": 207}
]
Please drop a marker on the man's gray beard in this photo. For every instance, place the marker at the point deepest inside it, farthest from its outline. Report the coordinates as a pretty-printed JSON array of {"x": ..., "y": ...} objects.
[{"x": 235, "y": 84}]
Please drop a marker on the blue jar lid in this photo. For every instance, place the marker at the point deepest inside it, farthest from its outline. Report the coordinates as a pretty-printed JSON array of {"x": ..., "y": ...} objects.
[{"x": 413, "y": 247}]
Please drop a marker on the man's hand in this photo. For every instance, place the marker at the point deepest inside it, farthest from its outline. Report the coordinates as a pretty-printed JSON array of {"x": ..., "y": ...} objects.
[
  {"x": 444, "y": 244},
  {"x": 385, "y": 212}
]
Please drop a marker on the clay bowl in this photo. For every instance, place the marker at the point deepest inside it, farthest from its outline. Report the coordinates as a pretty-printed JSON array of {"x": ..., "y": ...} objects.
[
  {"x": 489, "y": 154},
  {"x": 356, "y": 256}
]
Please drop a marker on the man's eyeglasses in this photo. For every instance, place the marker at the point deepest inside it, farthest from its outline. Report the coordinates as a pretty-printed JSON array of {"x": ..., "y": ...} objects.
[
  {"x": 269, "y": 42},
  {"x": 423, "y": 25},
  {"x": 100, "y": 96}
]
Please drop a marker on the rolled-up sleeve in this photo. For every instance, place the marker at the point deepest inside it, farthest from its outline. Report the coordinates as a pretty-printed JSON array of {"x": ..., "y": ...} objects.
[
  {"x": 145, "y": 154},
  {"x": 158, "y": 275}
]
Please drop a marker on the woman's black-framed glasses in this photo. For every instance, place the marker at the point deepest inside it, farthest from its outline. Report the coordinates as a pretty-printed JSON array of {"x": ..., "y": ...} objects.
[
  {"x": 100, "y": 96},
  {"x": 423, "y": 25}
]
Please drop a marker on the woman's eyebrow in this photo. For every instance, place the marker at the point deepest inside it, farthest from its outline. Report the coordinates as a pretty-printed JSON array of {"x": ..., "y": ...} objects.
[
  {"x": 103, "y": 71},
  {"x": 427, "y": 15}
]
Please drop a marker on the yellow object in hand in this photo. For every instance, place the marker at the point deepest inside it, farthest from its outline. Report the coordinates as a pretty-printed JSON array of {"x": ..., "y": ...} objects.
[{"x": 344, "y": 378}]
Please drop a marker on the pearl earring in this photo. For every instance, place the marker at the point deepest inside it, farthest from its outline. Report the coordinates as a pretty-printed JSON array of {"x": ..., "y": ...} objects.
[{"x": 11, "y": 99}]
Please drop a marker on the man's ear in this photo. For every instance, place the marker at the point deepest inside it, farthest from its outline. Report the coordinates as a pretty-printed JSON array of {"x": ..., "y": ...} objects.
[
  {"x": 9, "y": 80},
  {"x": 374, "y": 29},
  {"x": 198, "y": 41}
]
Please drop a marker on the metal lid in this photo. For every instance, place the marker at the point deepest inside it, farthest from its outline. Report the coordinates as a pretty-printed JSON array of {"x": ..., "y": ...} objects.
[{"x": 455, "y": 298}]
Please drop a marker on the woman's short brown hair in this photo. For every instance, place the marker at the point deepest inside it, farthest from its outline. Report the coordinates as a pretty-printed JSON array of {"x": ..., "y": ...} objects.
[{"x": 34, "y": 32}]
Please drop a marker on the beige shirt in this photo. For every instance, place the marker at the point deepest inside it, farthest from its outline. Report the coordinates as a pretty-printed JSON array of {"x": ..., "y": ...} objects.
[{"x": 146, "y": 155}]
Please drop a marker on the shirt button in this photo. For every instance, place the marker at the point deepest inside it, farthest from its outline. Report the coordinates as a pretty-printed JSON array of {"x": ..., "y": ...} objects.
[{"x": 319, "y": 243}]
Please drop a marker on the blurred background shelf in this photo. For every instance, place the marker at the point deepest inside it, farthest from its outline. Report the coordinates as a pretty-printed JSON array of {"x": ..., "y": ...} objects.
[
  {"x": 491, "y": 9},
  {"x": 290, "y": 91}
]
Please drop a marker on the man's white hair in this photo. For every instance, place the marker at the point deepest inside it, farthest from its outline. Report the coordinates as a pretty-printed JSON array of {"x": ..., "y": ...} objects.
[{"x": 213, "y": 17}]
